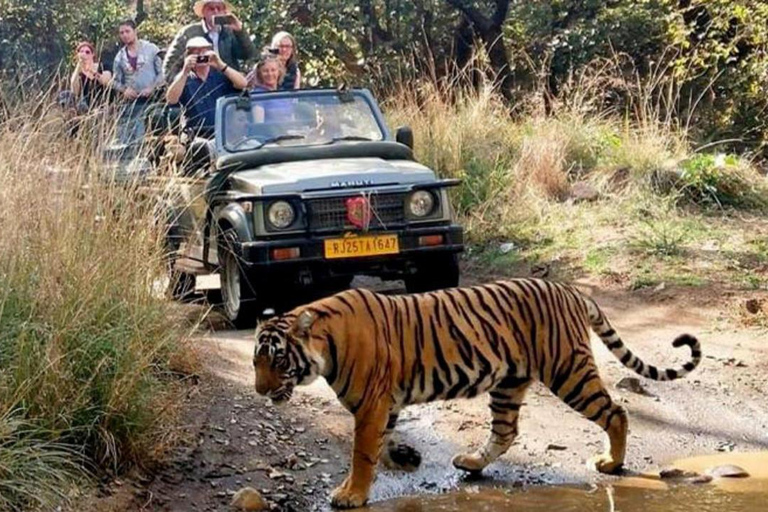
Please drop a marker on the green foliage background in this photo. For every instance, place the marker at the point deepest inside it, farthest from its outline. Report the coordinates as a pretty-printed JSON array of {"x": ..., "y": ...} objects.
[{"x": 709, "y": 56}]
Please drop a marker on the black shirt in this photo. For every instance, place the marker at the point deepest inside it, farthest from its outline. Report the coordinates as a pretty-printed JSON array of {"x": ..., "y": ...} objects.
[
  {"x": 289, "y": 80},
  {"x": 93, "y": 92}
]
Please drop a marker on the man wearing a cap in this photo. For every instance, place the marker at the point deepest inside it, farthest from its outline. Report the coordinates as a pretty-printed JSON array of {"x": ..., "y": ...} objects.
[
  {"x": 203, "y": 79},
  {"x": 231, "y": 42}
]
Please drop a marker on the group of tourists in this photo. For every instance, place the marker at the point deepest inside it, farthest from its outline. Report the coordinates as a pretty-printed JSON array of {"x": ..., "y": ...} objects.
[{"x": 205, "y": 61}]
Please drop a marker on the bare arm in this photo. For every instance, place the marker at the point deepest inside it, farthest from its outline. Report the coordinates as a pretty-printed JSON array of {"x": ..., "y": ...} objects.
[
  {"x": 237, "y": 78},
  {"x": 74, "y": 82},
  {"x": 297, "y": 85},
  {"x": 258, "y": 114},
  {"x": 175, "y": 90}
]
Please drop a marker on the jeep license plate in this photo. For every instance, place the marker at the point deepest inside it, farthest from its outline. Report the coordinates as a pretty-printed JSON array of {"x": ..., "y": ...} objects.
[{"x": 358, "y": 247}]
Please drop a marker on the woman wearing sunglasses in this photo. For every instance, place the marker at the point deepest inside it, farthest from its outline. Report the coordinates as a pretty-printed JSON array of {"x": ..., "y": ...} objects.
[{"x": 89, "y": 82}]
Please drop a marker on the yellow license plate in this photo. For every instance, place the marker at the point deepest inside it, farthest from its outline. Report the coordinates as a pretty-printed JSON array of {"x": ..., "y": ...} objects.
[{"x": 361, "y": 246}]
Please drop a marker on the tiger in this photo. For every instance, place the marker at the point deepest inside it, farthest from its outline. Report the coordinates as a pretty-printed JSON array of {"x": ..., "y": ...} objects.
[{"x": 381, "y": 353}]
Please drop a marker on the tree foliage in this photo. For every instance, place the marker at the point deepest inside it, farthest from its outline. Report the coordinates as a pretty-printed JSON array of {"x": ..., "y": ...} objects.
[{"x": 711, "y": 53}]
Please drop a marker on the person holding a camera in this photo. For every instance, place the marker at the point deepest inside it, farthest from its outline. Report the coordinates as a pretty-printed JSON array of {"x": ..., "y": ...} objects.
[
  {"x": 284, "y": 46},
  {"x": 221, "y": 27},
  {"x": 89, "y": 87},
  {"x": 90, "y": 80},
  {"x": 203, "y": 80},
  {"x": 137, "y": 75}
]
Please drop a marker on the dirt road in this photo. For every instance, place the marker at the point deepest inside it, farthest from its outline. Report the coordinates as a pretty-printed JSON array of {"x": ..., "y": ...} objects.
[{"x": 296, "y": 454}]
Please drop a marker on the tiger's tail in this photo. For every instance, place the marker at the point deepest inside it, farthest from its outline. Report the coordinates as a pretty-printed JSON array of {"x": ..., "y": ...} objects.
[{"x": 603, "y": 328}]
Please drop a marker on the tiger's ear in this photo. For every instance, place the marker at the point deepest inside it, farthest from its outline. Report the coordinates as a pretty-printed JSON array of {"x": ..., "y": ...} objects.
[{"x": 303, "y": 323}]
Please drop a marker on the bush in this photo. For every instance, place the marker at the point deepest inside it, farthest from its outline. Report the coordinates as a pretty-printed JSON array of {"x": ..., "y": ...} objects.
[
  {"x": 721, "y": 180},
  {"x": 89, "y": 353},
  {"x": 514, "y": 167}
]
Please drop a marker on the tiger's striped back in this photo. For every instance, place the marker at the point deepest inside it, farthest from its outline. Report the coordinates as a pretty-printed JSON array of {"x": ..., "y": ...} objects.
[{"x": 461, "y": 342}]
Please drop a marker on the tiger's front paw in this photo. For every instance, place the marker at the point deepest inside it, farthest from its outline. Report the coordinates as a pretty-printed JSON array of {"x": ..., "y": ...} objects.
[
  {"x": 604, "y": 463},
  {"x": 346, "y": 496},
  {"x": 472, "y": 462}
]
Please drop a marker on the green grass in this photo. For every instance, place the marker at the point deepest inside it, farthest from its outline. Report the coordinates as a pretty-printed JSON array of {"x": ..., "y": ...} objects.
[
  {"x": 35, "y": 473},
  {"x": 664, "y": 214},
  {"x": 598, "y": 260},
  {"x": 624, "y": 244},
  {"x": 89, "y": 354}
]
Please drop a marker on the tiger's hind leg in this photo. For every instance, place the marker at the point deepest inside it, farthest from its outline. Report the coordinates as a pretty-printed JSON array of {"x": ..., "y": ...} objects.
[
  {"x": 585, "y": 393},
  {"x": 398, "y": 455},
  {"x": 506, "y": 400}
]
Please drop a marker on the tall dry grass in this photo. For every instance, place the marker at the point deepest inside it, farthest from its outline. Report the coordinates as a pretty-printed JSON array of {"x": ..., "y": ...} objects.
[
  {"x": 518, "y": 162},
  {"x": 90, "y": 354}
]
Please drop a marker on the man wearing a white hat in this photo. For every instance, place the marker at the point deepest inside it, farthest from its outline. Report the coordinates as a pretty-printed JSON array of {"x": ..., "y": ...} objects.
[
  {"x": 229, "y": 40},
  {"x": 203, "y": 80}
]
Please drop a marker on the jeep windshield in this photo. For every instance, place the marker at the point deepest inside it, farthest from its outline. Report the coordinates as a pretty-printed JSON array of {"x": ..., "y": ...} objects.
[{"x": 303, "y": 119}]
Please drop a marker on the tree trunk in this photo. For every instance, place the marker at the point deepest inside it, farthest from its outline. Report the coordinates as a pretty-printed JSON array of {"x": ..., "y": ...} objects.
[
  {"x": 376, "y": 35},
  {"x": 462, "y": 43},
  {"x": 497, "y": 53},
  {"x": 490, "y": 32},
  {"x": 141, "y": 13}
]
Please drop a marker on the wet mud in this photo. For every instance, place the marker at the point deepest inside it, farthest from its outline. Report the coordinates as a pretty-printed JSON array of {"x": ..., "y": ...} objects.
[{"x": 635, "y": 494}]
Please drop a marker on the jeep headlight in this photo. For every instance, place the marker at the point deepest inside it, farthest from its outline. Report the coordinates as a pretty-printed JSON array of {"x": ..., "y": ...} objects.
[
  {"x": 281, "y": 214},
  {"x": 421, "y": 203}
]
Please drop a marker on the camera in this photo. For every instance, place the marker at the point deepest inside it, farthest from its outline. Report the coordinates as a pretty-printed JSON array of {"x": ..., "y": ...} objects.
[
  {"x": 224, "y": 19},
  {"x": 273, "y": 51},
  {"x": 202, "y": 59}
]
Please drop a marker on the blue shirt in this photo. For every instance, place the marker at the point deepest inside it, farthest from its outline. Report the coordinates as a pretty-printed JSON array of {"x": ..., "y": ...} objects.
[
  {"x": 199, "y": 99},
  {"x": 275, "y": 110}
]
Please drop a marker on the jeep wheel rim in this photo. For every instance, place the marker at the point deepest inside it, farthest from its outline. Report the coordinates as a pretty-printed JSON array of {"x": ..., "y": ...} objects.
[{"x": 232, "y": 287}]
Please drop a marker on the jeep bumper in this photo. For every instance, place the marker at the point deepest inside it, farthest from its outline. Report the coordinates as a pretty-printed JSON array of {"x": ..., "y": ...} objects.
[{"x": 260, "y": 255}]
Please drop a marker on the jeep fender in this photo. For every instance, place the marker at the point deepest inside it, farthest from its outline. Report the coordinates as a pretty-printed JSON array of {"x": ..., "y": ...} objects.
[{"x": 235, "y": 216}]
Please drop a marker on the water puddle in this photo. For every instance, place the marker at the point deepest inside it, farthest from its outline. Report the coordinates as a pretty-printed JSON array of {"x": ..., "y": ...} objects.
[{"x": 644, "y": 493}]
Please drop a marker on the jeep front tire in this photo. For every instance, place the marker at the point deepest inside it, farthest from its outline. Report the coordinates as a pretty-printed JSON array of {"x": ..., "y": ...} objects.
[{"x": 239, "y": 297}]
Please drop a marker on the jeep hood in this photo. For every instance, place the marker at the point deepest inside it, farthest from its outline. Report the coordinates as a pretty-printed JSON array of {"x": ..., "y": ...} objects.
[{"x": 293, "y": 177}]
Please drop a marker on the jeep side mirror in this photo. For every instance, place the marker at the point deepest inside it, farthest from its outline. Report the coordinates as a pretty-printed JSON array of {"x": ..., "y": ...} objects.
[{"x": 404, "y": 135}]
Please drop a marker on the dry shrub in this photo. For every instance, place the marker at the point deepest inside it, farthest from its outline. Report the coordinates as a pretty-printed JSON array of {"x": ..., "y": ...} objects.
[
  {"x": 89, "y": 352},
  {"x": 618, "y": 132},
  {"x": 454, "y": 128},
  {"x": 542, "y": 164}
]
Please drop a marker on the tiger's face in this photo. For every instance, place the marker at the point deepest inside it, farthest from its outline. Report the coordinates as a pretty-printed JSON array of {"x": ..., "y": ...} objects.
[{"x": 282, "y": 358}]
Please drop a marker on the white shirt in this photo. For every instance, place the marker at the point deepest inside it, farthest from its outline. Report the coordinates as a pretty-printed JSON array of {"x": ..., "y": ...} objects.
[{"x": 213, "y": 35}]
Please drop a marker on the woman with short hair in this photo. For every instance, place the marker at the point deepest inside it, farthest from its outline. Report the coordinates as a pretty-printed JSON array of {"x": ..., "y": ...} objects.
[{"x": 90, "y": 81}]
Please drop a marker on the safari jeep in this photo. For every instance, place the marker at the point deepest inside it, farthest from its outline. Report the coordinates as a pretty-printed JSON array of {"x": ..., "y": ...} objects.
[{"x": 309, "y": 188}]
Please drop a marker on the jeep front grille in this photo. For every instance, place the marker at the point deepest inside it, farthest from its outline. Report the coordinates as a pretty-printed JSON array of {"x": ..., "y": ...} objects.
[{"x": 330, "y": 213}]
